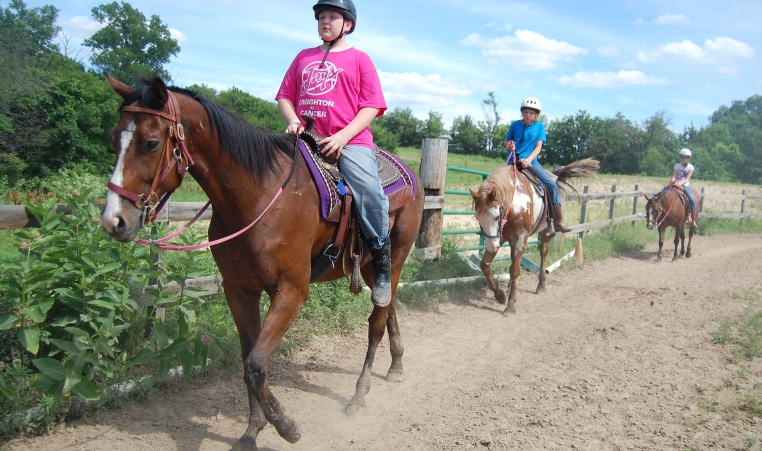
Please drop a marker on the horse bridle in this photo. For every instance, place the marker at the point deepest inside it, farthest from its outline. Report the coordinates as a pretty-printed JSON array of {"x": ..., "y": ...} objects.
[
  {"x": 500, "y": 224},
  {"x": 175, "y": 153},
  {"x": 658, "y": 208}
]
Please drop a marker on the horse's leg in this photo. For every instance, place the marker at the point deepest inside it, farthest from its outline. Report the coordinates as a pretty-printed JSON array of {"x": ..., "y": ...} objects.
[
  {"x": 486, "y": 267},
  {"x": 661, "y": 243},
  {"x": 396, "y": 373},
  {"x": 245, "y": 309},
  {"x": 678, "y": 232},
  {"x": 682, "y": 240},
  {"x": 286, "y": 301},
  {"x": 515, "y": 272},
  {"x": 691, "y": 229},
  {"x": 544, "y": 246},
  {"x": 376, "y": 324}
]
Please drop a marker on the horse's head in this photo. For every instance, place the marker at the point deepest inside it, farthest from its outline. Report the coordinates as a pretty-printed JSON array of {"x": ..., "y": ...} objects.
[
  {"x": 489, "y": 211},
  {"x": 148, "y": 145},
  {"x": 653, "y": 210}
]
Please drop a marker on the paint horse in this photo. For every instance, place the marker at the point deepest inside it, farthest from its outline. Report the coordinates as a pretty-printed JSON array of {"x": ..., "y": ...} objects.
[
  {"x": 249, "y": 175},
  {"x": 669, "y": 208},
  {"x": 510, "y": 209}
]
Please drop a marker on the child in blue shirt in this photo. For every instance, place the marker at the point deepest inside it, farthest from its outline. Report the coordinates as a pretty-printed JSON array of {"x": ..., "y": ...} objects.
[{"x": 524, "y": 142}]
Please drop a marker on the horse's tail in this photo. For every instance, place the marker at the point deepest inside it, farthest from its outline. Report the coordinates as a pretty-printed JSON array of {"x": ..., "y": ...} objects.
[{"x": 587, "y": 167}]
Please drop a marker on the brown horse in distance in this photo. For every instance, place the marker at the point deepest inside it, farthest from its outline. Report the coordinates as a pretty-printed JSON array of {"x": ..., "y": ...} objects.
[
  {"x": 666, "y": 209},
  {"x": 241, "y": 168},
  {"x": 510, "y": 210}
]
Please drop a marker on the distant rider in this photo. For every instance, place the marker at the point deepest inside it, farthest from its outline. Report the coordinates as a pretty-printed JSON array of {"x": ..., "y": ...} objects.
[
  {"x": 526, "y": 137},
  {"x": 681, "y": 176}
]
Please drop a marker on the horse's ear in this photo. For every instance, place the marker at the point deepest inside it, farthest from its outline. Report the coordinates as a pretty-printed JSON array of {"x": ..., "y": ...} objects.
[
  {"x": 120, "y": 88},
  {"x": 474, "y": 194},
  {"x": 646, "y": 196},
  {"x": 159, "y": 91}
]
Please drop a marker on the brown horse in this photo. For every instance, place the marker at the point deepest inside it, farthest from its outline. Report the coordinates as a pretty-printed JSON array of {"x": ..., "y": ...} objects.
[
  {"x": 509, "y": 209},
  {"x": 665, "y": 209},
  {"x": 241, "y": 167}
]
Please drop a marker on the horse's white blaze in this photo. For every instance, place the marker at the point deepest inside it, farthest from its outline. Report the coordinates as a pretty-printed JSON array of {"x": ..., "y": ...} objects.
[
  {"x": 492, "y": 227},
  {"x": 113, "y": 204}
]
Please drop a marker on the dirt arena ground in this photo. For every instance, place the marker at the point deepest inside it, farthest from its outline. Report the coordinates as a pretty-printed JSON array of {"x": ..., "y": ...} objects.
[{"x": 614, "y": 356}]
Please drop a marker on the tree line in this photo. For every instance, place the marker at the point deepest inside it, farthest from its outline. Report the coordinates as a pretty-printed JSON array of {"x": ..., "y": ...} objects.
[{"x": 57, "y": 112}]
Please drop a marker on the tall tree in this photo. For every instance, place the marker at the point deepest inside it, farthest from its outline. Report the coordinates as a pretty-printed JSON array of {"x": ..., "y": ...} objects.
[
  {"x": 129, "y": 44},
  {"x": 433, "y": 127},
  {"x": 401, "y": 122},
  {"x": 34, "y": 29},
  {"x": 490, "y": 125}
]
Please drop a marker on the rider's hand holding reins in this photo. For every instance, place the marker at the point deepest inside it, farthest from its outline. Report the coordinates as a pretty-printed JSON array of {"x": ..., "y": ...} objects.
[{"x": 295, "y": 127}]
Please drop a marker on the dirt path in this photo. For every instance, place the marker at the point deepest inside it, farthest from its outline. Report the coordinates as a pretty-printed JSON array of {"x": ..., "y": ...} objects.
[{"x": 614, "y": 356}]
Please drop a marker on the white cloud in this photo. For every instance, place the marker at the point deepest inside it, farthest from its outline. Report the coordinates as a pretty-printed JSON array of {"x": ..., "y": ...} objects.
[
  {"x": 489, "y": 25},
  {"x": 612, "y": 80},
  {"x": 639, "y": 21},
  {"x": 178, "y": 35},
  {"x": 80, "y": 26},
  {"x": 607, "y": 50},
  {"x": 672, "y": 19},
  {"x": 525, "y": 50},
  {"x": 507, "y": 26},
  {"x": 413, "y": 89},
  {"x": 721, "y": 51}
]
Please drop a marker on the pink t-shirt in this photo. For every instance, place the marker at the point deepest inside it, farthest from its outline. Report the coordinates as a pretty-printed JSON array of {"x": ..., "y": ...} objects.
[{"x": 335, "y": 93}]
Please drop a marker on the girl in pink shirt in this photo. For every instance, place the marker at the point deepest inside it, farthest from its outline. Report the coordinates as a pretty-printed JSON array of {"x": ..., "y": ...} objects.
[{"x": 338, "y": 85}]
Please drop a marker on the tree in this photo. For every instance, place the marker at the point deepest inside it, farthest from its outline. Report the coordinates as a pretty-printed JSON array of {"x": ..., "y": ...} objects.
[
  {"x": 433, "y": 127},
  {"x": 465, "y": 135},
  {"x": 129, "y": 44},
  {"x": 490, "y": 125},
  {"x": 401, "y": 122},
  {"x": 34, "y": 29}
]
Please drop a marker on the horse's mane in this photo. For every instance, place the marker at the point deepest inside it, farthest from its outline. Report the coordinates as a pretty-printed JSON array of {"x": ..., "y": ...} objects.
[
  {"x": 500, "y": 184},
  {"x": 250, "y": 146}
]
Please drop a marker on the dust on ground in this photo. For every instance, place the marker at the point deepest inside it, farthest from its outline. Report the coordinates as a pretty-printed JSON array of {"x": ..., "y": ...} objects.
[{"x": 616, "y": 355}]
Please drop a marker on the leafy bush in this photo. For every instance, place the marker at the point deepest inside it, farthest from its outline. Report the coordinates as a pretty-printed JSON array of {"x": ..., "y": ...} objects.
[{"x": 68, "y": 313}]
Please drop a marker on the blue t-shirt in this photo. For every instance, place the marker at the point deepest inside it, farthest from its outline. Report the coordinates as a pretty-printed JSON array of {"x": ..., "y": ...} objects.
[{"x": 525, "y": 137}]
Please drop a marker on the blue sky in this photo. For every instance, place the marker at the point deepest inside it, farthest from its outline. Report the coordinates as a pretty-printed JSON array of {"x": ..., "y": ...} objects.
[{"x": 635, "y": 57}]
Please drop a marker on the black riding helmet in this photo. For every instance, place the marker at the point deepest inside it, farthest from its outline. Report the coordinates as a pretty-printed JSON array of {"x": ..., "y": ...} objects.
[{"x": 346, "y": 7}]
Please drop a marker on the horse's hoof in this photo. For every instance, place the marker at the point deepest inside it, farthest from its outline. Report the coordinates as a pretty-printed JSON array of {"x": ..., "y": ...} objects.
[
  {"x": 396, "y": 376},
  {"x": 688, "y": 255},
  {"x": 540, "y": 290},
  {"x": 354, "y": 407},
  {"x": 509, "y": 311},
  {"x": 245, "y": 443},
  {"x": 500, "y": 296},
  {"x": 290, "y": 431}
]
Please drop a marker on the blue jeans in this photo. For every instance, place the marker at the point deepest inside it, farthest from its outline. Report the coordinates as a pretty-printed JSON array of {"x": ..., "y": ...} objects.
[
  {"x": 547, "y": 180},
  {"x": 689, "y": 192},
  {"x": 357, "y": 165}
]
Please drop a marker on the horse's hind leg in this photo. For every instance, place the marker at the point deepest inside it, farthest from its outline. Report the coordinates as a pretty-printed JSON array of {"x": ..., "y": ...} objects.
[
  {"x": 245, "y": 309},
  {"x": 544, "y": 245},
  {"x": 376, "y": 324},
  {"x": 396, "y": 373}
]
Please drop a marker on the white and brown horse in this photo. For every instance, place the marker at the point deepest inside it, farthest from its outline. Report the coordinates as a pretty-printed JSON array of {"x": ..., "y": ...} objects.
[{"x": 509, "y": 209}]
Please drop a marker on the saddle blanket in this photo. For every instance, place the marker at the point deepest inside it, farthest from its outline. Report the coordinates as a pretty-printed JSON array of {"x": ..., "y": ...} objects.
[{"x": 396, "y": 178}]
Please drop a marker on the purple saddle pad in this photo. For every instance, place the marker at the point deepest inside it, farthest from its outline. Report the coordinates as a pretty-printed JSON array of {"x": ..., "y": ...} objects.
[{"x": 394, "y": 174}]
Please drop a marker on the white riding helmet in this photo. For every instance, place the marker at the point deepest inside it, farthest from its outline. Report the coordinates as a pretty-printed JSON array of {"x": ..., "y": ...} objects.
[
  {"x": 532, "y": 103},
  {"x": 685, "y": 153}
]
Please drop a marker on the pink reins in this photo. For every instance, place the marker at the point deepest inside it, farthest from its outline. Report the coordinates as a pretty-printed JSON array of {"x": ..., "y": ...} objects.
[{"x": 670, "y": 208}]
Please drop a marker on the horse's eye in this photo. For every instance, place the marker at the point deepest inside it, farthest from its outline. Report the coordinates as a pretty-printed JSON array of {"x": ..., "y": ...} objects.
[{"x": 151, "y": 146}]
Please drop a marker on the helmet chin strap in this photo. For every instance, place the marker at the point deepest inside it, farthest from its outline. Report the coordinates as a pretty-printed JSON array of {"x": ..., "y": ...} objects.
[{"x": 332, "y": 43}]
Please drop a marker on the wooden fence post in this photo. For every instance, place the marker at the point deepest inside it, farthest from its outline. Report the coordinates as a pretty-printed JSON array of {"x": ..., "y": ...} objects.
[
  {"x": 635, "y": 205},
  {"x": 611, "y": 204},
  {"x": 583, "y": 212},
  {"x": 433, "y": 168},
  {"x": 743, "y": 204},
  {"x": 701, "y": 205}
]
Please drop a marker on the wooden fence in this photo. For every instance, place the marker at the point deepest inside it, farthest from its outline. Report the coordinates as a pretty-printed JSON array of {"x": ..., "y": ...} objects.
[{"x": 428, "y": 244}]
